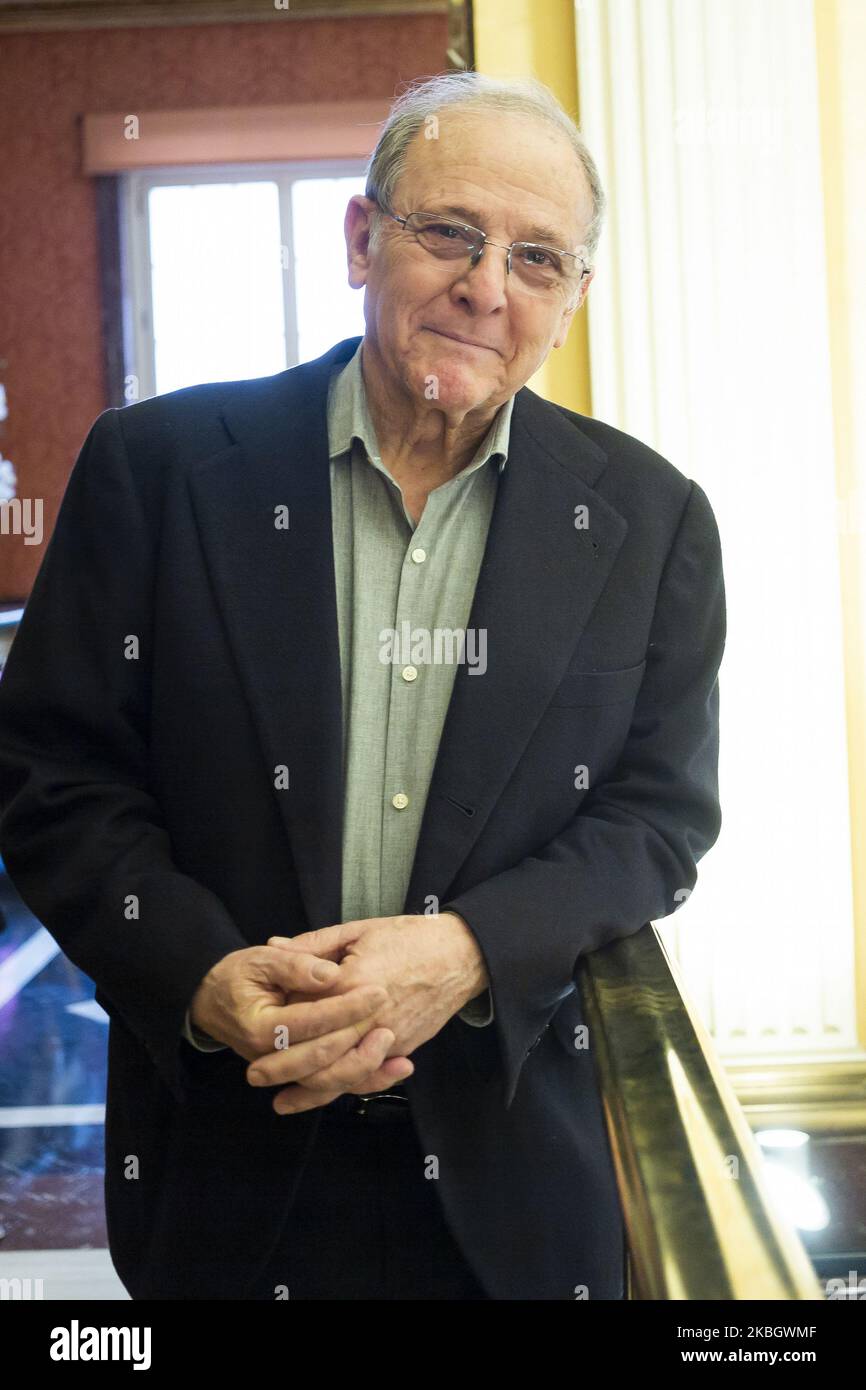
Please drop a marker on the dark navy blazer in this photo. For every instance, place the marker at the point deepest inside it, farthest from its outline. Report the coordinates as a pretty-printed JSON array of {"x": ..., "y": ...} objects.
[{"x": 178, "y": 648}]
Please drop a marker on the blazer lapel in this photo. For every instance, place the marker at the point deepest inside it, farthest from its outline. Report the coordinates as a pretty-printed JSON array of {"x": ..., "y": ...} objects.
[
  {"x": 540, "y": 580},
  {"x": 277, "y": 593}
]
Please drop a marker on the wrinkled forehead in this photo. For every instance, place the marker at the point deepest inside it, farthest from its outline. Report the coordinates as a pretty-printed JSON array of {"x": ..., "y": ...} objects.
[{"x": 478, "y": 165}]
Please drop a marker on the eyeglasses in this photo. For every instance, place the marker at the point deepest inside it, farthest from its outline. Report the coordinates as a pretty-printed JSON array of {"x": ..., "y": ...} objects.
[{"x": 541, "y": 270}]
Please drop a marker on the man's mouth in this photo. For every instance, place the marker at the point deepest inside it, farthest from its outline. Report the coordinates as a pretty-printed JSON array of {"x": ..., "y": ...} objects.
[{"x": 459, "y": 338}]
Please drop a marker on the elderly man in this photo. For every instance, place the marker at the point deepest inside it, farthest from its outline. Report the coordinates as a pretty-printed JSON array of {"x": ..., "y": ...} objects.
[{"x": 351, "y": 707}]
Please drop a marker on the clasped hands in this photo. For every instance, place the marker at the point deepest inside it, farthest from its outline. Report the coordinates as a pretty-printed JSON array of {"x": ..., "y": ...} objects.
[{"x": 340, "y": 1009}]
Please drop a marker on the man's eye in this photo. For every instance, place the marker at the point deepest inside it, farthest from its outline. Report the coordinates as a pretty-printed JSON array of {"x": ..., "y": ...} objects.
[
  {"x": 442, "y": 229},
  {"x": 537, "y": 256}
]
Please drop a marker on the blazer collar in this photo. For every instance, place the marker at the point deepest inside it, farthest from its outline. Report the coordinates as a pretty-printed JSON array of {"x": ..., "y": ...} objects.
[{"x": 274, "y": 583}]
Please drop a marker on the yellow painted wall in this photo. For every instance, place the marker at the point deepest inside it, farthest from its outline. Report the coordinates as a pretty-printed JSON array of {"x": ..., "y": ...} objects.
[
  {"x": 840, "y": 27},
  {"x": 535, "y": 38}
]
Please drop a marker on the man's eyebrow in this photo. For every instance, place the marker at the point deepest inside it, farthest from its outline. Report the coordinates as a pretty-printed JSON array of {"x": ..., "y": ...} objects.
[{"x": 536, "y": 232}]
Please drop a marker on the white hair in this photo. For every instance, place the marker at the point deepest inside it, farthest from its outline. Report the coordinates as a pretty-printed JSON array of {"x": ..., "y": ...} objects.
[{"x": 475, "y": 91}]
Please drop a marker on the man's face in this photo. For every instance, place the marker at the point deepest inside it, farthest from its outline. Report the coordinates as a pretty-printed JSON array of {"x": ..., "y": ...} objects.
[{"x": 508, "y": 173}]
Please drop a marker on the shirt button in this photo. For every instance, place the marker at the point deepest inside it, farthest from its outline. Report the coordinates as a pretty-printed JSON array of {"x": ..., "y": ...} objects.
[
  {"x": 409, "y": 673},
  {"x": 400, "y": 801},
  {"x": 419, "y": 555}
]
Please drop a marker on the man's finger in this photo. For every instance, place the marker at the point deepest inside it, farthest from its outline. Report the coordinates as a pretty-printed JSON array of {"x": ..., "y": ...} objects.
[
  {"x": 303, "y": 1059},
  {"x": 325, "y": 941},
  {"x": 319, "y": 1017},
  {"x": 305, "y": 1100},
  {"x": 296, "y": 1099},
  {"x": 392, "y": 1070},
  {"x": 356, "y": 1067},
  {"x": 301, "y": 971}
]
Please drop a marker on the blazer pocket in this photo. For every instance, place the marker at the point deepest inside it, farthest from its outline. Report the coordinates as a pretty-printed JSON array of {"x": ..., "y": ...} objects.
[{"x": 599, "y": 687}]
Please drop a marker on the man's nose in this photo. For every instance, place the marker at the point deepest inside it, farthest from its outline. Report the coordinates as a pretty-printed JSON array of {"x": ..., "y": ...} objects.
[{"x": 485, "y": 283}]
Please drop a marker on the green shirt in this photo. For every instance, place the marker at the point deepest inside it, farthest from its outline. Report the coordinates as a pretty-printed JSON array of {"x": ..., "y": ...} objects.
[{"x": 404, "y": 595}]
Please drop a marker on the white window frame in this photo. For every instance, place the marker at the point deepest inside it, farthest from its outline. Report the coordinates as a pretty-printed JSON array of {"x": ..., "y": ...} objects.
[{"x": 137, "y": 297}]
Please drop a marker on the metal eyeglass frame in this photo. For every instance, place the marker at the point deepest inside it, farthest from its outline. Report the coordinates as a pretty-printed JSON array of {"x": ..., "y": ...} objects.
[{"x": 477, "y": 246}]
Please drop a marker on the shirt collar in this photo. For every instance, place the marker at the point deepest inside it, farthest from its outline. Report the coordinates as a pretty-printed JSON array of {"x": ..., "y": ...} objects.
[{"x": 349, "y": 418}]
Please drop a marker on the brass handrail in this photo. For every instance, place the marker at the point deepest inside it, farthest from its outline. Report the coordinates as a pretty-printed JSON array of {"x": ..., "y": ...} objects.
[{"x": 698, "y": 1215}]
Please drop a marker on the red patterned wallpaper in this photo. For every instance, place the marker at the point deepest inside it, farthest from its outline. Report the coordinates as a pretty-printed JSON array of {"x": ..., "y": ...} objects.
[{"x": 50, "y": 340}]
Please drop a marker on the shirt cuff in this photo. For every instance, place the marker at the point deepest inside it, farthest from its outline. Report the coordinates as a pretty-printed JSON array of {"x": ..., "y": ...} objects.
[
  {"x": 479, "y": 1011},
  {"x": 203, "y": 1042}
]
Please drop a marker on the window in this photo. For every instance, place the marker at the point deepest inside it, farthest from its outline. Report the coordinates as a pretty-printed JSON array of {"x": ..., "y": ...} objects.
[{"x": 235, "y": 271}]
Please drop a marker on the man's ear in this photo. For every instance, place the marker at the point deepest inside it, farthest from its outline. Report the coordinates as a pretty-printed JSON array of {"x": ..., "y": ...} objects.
[
  {"x": 357, "y": 225},
  {"x": 568, "y": 314},
  {"x": 564, "y": 325}
]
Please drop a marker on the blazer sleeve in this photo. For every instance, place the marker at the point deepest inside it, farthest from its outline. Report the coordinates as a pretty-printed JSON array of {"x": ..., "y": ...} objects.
[
  {"x": 80, "y": 833},
  {"x": 636, "y": 839}
]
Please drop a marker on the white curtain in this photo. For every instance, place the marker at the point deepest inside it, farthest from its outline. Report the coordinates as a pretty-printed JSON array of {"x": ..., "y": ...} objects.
[{"x": 709, "y": 340}]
